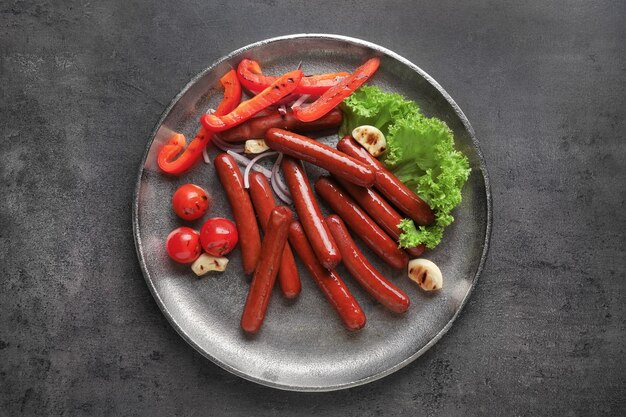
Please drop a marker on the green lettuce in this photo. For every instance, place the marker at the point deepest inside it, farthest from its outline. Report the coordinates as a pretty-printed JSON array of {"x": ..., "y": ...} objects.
[
  {"x": 372, "y": 106},
  {"x": 420, "y": 152}
]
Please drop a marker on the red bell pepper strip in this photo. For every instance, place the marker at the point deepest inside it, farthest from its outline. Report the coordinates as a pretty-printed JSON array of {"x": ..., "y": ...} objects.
[
  {"x": 251, "y": 77},
  {"x": 336, "y": 94},
  {"x": 167, "y": 159},
  {"x": 232, "y": 93},
  {"x": 278, "y": 89}
]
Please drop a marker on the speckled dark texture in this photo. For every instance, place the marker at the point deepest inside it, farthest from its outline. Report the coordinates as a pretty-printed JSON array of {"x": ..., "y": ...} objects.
[{"x": 81, "y": 86}]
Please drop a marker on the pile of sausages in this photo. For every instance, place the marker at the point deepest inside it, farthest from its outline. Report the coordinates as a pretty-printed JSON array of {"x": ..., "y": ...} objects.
[{"x": 360, "y": 190}]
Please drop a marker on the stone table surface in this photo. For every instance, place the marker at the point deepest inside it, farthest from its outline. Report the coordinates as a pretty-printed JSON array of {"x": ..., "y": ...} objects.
[{"x": 82, "y": 84}]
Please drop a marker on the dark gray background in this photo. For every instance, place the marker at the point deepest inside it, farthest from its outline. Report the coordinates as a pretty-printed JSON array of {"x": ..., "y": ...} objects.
[{"x": 82, "y": 84}]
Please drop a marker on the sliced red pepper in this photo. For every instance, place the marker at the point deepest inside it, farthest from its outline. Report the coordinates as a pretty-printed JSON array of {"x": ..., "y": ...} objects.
[
  {"x": 336, "y": 94},
  {"x": 277, "y": 90},
  {"x": 252, "y": 78},
  {"x": 232, "y": 93},
  {"x": 168, "y": 160}
]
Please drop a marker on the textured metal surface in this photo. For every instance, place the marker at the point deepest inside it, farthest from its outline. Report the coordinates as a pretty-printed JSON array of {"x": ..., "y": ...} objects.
[{"x": 302, "y": 345}]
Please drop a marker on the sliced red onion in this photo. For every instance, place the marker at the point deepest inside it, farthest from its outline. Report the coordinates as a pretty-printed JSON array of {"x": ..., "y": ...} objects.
[
  {"x": 282, "y": 193},
  {"x": 282, "y": 110},
  {"x": 205, "y": 156},
  {"x": 281, "y": 185},
  {"x": 226, "y": 146},
  {"x": 251, "y": 164},
  {"x": 302, "y": 99},
  {"x": 245, "y": 161},
  {"x": 205, "y": 153},
  {"x": 276, "y": 165}
]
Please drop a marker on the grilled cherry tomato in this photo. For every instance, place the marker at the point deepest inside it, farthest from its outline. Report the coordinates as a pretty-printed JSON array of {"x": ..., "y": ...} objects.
[
  {"x": 190, "y": 202},
  {"x": 183, "y": 245},
  {"x": 218, "y": 236}
]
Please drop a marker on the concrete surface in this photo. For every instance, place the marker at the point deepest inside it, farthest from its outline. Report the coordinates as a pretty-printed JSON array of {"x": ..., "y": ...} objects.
[{"x": 82, "y": 84}]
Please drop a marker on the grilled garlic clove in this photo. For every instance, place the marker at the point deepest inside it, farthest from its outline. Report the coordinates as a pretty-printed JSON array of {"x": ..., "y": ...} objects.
[
  {"x": 426, "y": 274},
  {"x": 371, "y": 138},
  {"x": 206, "y": 263},
  {"x": 255, "y": 146}
]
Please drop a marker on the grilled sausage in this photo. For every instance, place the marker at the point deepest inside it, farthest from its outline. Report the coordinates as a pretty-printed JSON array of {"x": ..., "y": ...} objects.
[
  {"x": 255, "y": 128},
  {"x": 239, "y": 200},
  {"x": 310, "y": 214},
  {"x": 380, "y": 211},
  {"x": 321, "y": 155},
  {"x": 369, "y": 278},
  {"x": 389, "y": 185},
  {"x": 362, "y": 224},
  {"x": 334, "y": 289},
  {"x": 263, "y": 202},
  {"x": 266, "y": 270}
]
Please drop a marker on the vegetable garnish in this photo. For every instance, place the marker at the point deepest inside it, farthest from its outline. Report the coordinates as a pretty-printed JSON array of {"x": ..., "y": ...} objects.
[
  {"x": 226, "y": 146},
  {"x": 426, "y": 274},
  {"x": 242, "y": 160},
  {"x": 190, "y": 201},
  {"x": 255, "y": 146},
  {"x": 334, "y": 95},
  {"x": 253, "y": 161},
  {"x": 205, "y": 156},
  {"x": 280, "y": 88},
  {"x": 207, "y": 263},
  {"x": 420, "y": 152},
  {"x": 183, "y": 245},
  {"x": 218, "y": 236},
  {"x": 300, "y": 101},
  {"x": 371, "y": 138},
  {"x": 279, "y": 187},
  {"x": 372, "y": 106},
  {"x": 232, "y": 93},
  {"x": 168, "y": 159},
  {"x": 251, "y": 77}
]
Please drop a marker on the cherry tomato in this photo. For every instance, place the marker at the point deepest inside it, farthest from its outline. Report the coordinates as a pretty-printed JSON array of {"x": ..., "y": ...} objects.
[
  {"x": 183, "y": 245},
  {"x": 218, "y": 236},
  {"x": 190, "y": 202}
]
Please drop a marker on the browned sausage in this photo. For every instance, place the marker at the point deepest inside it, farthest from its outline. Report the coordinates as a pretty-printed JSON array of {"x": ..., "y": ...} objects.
[
  {"x": 249, "y": 237},
  {"x": 362, "y": 224},
  {"x": 256, "y": 128},
  {"x": 336, "y": 292},
  {"x": 310, "y": 214},
  {"x": 263, "y": 201},
  {"x": 266, "y": 270},
  {"x": 310, "y": 150},
  {"x": 389, "y": 185},
  {"x": 380, "y": 211},
  {"x": 370, "y": 279}
]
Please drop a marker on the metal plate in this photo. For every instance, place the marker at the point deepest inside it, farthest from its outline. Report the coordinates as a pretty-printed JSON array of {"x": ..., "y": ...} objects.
[{"x": 303, "y": 345}]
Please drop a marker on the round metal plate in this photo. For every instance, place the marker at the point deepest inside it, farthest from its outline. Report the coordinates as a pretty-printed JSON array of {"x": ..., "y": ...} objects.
[{"x": 303, "y": 345}]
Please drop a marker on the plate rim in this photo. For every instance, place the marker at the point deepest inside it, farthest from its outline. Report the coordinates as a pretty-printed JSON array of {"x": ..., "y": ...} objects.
[{"x": 361, "y": 381}]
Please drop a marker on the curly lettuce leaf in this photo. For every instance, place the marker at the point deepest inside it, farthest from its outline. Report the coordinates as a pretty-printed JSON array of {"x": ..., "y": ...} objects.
[
  {"x": 370, "y": 105},
  {"x": 420, "y": 152}
]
